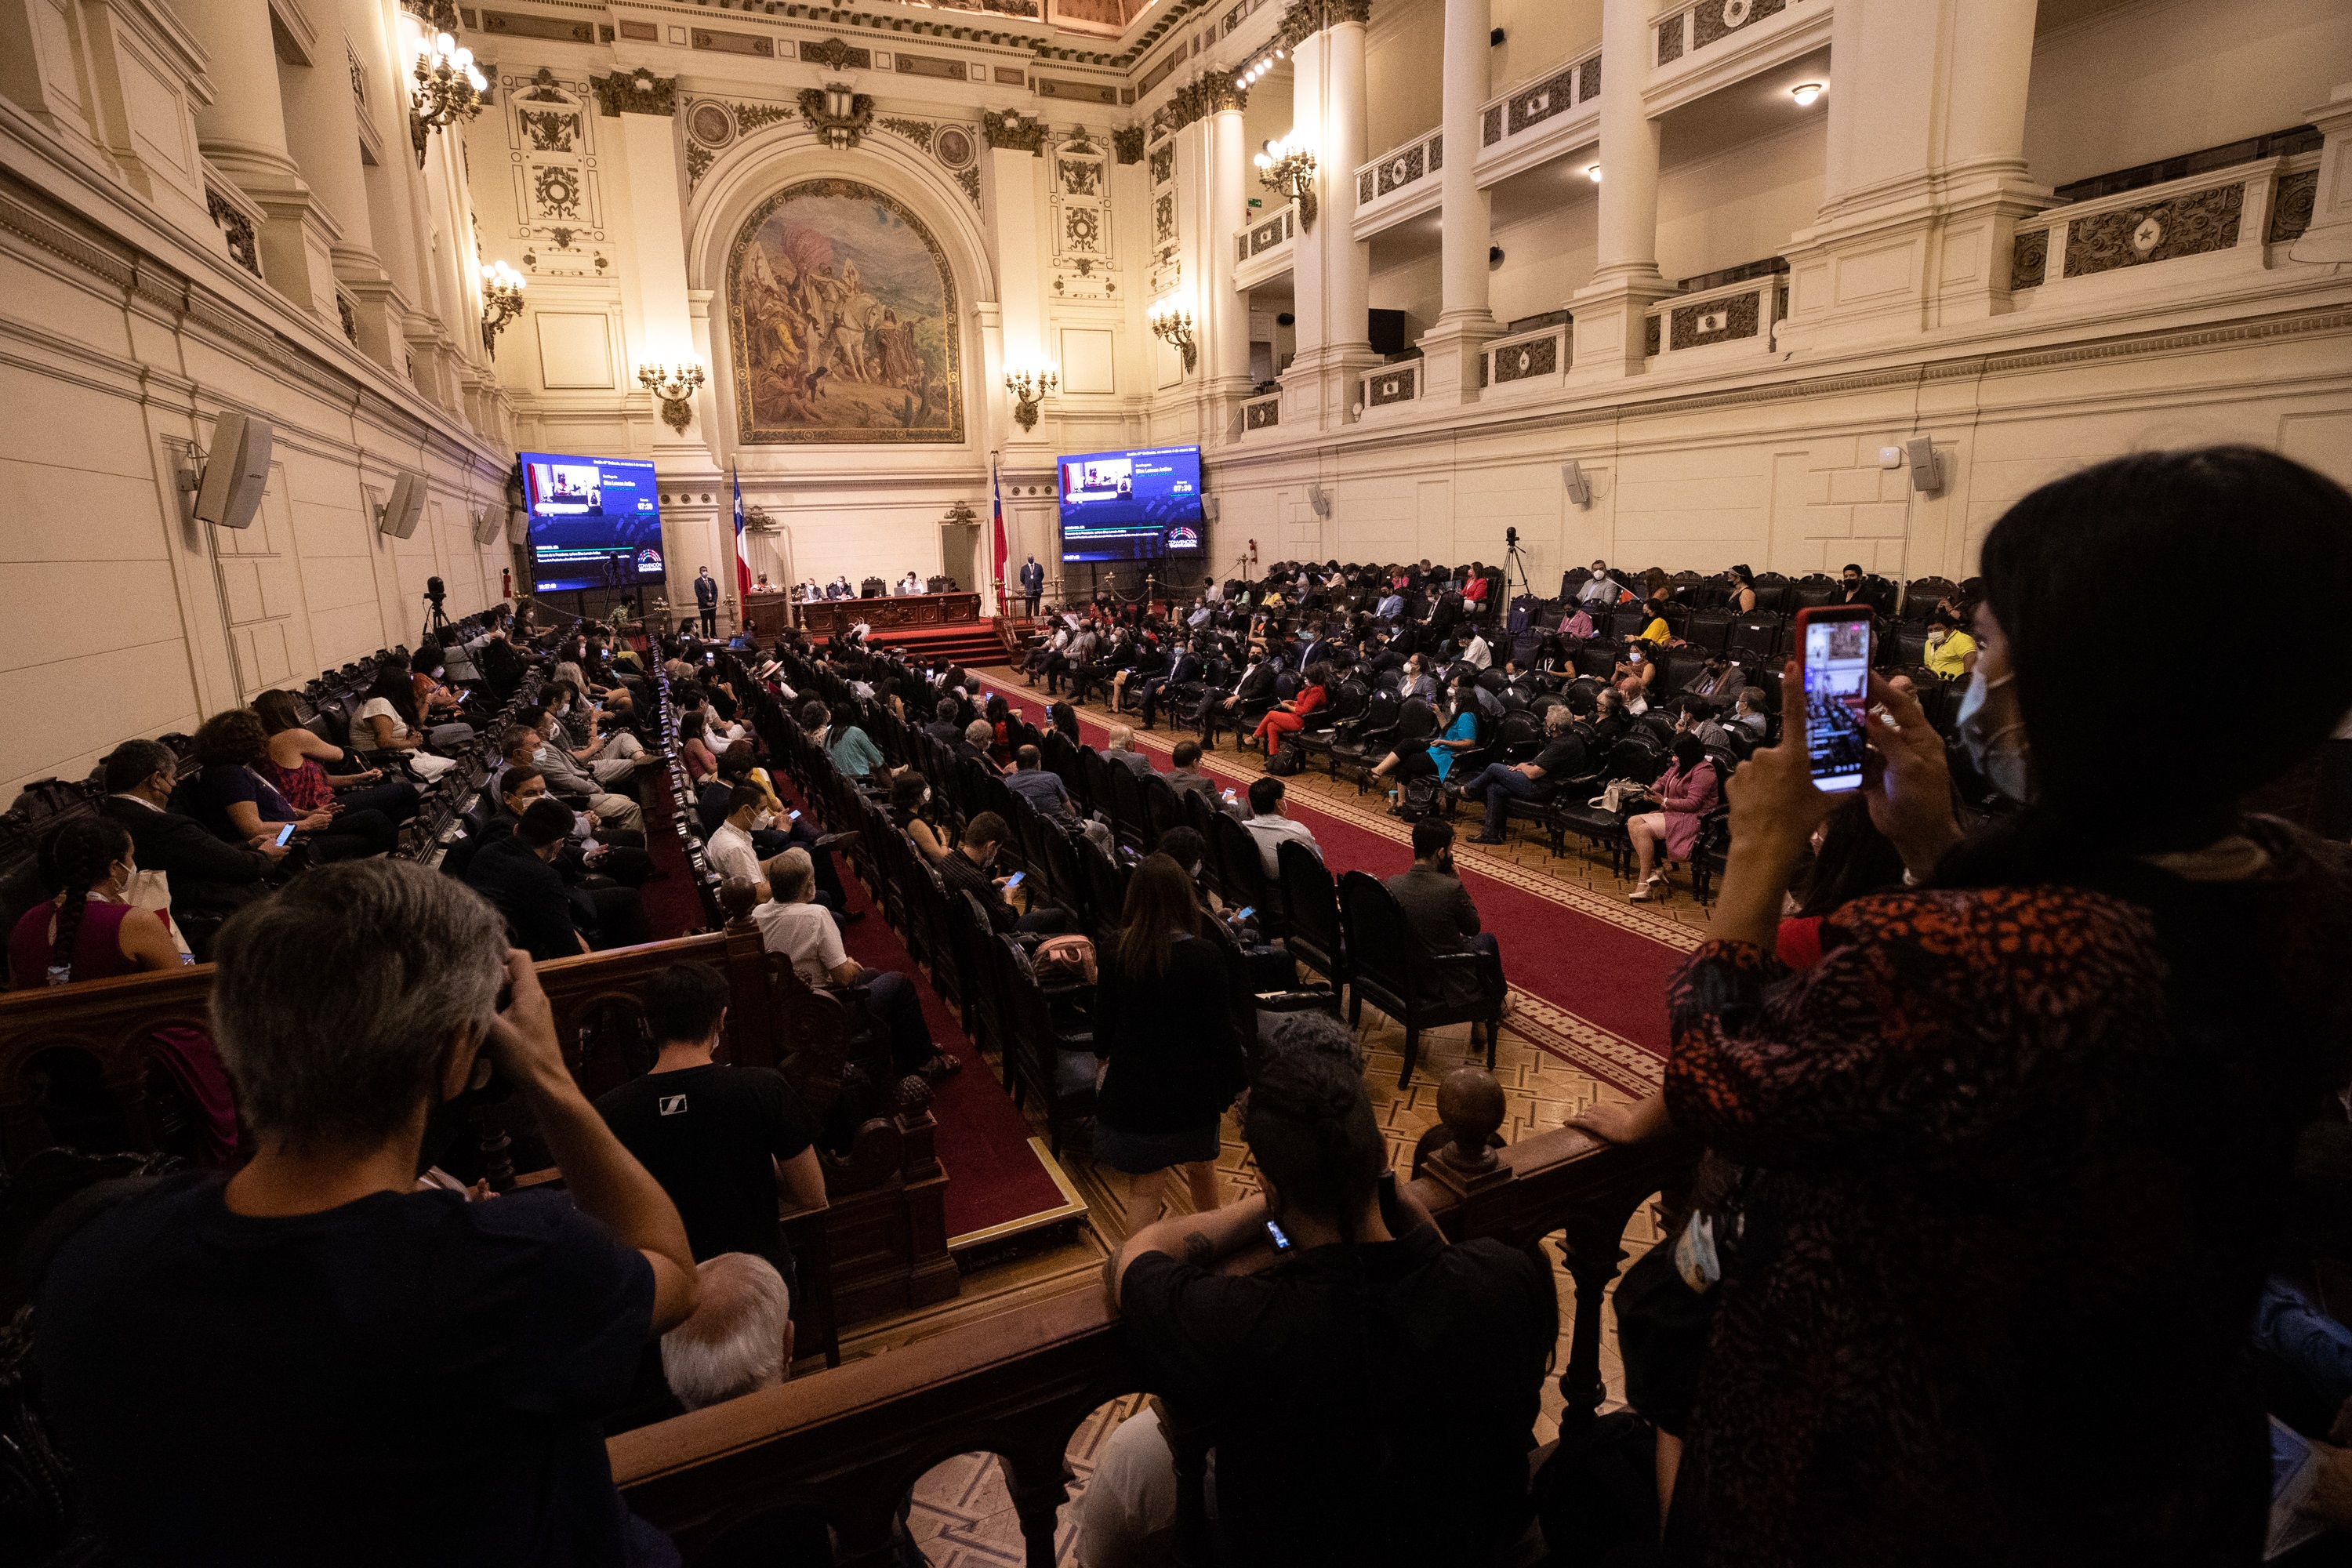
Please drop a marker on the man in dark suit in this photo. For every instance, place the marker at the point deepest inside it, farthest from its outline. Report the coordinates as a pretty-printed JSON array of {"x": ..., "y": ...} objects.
[
  {"x": 210, "y": 879},
  {"x": 1033, "y": 584},
  {"x": 1255, "y": 685},
  {"x": 516, "y": 872},
  {"x": 706, "y": 599},
  {"x": 1183, "y": 670},
  {"x": 1438, "y": 908}
]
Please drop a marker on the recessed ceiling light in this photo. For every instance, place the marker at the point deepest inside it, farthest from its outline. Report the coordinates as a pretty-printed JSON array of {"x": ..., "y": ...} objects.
[
  {"x": 1805, "y": 93},
  {"x": 1592, "y": 173}
]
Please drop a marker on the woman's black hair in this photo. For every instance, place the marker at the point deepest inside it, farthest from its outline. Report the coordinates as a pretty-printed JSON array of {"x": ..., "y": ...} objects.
[
  {"x": 1689, "y": 750},
  {"x": 2083, "y": 555},
  {"x": 72, "y": 860},
  {"x": 1854, "y": 859},
  {"x": 392, "y": 683},
  {"x": 1063, "y": 717}
]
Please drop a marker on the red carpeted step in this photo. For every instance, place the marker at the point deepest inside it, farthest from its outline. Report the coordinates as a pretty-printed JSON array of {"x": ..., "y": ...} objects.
[{"x": 673, "y": 909}]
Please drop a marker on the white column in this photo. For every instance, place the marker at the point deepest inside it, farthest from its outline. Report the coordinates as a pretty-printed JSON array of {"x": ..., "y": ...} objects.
[
  {"x": 1223, "y": 315},
  {"x": 1307, "y": 286},
  {"x": 1926, "y": 175},
  {"x": 2329, "y": 237},
  {"x": 322, "y": 131},
  {"x": 1012, "y": 185},
  {"x": 243, "y": 132},
  {"x": 1611, "y": 310},
  {"x": 1450, "y": 348},
  {"x": 1331, "y": 272}
]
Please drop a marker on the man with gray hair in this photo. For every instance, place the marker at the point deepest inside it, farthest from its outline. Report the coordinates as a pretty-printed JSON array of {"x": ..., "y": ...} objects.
[
  {"x": 978, "y": 737},
  {"x": 792, "y": 923},
  {"x": 739, "y": 1339},
  {"x": 415, "y": 1377}
]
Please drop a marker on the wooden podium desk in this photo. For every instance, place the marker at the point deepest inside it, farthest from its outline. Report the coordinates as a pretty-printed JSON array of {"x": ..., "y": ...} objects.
[{"x": 823, "y": 617}]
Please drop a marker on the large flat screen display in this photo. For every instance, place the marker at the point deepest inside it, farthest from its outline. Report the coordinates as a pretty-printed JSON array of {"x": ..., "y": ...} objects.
[
  {"x": 1131, "y": 506},
  {"x": 595, "y": 522}
]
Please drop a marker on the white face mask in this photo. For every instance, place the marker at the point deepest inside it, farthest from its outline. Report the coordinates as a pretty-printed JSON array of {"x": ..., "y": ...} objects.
[{"x": 2003, "y": 765}]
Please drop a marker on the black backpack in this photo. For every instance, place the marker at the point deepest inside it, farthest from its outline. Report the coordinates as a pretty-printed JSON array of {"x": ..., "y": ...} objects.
[
  {"x": 1287, "y": 762},
  {"x": 1418, "y": 797}
]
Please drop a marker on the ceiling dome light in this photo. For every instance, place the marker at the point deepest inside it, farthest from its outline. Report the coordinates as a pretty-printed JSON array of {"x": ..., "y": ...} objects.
[
  {"x": 1804, "y": 93},
  {"x": 1592, "y": 173}
]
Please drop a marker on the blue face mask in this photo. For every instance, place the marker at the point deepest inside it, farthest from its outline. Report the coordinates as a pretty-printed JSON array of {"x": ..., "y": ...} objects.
[{"x": 2003, "y": 765}]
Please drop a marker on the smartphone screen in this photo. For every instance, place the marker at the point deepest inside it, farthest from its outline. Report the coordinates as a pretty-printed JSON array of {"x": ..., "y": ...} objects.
[
  {"x": 1273, "y": 1234},
  {"x": 1244, "y": 911},
  {"x": 793, "y": 815},
  {"x": 284, "y": 833},
  {"x": 1014, "y": 881},
  {"x": 1837, "y": 684}
]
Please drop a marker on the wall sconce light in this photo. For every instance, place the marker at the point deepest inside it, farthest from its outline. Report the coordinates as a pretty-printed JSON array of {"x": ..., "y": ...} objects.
[
  {"x": 1805, "y": 93},
  {"x": 674, "y": 386},
  {"x": 1287, "y": 169},
  {"x": 1174, "y": 327},
  {"x": 1592, "y": 173},
  {"x": 448, "y": 88},
  {"x": 1027, "y": 388},
  {"x": 501, "y": 302}
]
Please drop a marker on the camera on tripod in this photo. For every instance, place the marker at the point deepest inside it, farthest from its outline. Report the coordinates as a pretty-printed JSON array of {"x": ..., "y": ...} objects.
[{"x": 1511, "y": 538}]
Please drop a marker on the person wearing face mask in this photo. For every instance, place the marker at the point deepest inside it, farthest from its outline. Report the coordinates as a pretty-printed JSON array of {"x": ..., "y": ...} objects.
[
  {"x": 910, "y": 807},
  {"x": 967, "y": 871},
  {"x": 2020, "y": 1141},
  {"x": 1684, "y": 793},
  {"x": 87, "y": 928},
  {"x": 1952, "y": 652}
]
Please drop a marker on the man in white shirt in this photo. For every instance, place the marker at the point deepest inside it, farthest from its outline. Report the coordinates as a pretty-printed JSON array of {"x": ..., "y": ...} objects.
[
  {"x": 730, "y": 845},
  {"x": 1476, "y": 654},
  {"x": 1601, "y": 589},
  {"x": 1270, "y": 827},
  {"x": 792, "y": 923}
]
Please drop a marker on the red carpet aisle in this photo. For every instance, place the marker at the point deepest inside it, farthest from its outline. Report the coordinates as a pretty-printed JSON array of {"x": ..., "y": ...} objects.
[
  {"x": 996, "y": 1173},
  {"x": 672, "y": 906},
  {"x": 1588, "y": 972}
]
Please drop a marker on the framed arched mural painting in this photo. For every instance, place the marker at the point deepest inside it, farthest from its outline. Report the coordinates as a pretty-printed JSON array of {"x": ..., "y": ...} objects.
[{"x": 841, "y": 312}]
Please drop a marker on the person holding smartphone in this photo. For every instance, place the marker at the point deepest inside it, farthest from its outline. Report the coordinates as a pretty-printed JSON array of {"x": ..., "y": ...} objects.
[{"x": 1683, "y": 795}]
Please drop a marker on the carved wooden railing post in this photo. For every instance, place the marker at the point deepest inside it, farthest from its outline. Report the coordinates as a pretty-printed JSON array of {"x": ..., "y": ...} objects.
[
  {"x": 1470, "y": 1107},
  {"x": 757, "y": 1033}
]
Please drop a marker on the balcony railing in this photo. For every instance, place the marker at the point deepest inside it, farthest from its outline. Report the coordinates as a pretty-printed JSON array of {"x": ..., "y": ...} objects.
[
  {"x": 1739, "y": 311},
  {"x": 1401, "y": 182},
  {"x": 1535, "y": 357},
  {"x": 1261, "y": 412},
  {"x": 1390, "y": 386},
  {"x": 1685, "y": 32},
  {"x": 2227, "y": 215},
  {"x": 1263, "y": 250},
  {"x": 1539, "y": 120}
]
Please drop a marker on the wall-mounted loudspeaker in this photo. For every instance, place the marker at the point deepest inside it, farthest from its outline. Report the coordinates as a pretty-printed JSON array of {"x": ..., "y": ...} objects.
[
  {"x": 1579, "y": 489},
  {"x": 517, "y": 526},
  {"x": 487, "y": 525},
  {"x": 1320, "y": 499},
  {"x": 236, "y": 471},
  {"x": 1926, "y": 468},
  {"x": 401, "y": 509},
  {"x": 1209, "y": 509}
]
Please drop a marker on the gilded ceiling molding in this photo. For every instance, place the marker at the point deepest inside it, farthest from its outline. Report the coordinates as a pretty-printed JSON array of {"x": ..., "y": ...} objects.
[
  {"x": 1013, "y": 131},
  {"x": 641, "y": 93},
  {"x": 1197, "y": 99},
  {"x": 836, "y": 55}
]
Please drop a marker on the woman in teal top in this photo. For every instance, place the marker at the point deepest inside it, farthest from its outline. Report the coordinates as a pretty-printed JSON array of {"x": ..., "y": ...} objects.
[
  {"x": 1461, "y": 733},
  {"x": 851, "y": 748}
]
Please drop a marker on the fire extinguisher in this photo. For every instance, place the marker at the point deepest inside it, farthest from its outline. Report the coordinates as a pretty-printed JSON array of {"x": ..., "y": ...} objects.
[{"x": 506, "y": 581}]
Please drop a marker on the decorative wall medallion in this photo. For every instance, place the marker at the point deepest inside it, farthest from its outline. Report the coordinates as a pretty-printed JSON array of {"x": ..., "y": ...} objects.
[
  {"x": 1402, "y": 170},
  {"x": 708, "y": 123},
  {"x": 556, "y": 190},
  {"x": 953, "y": 147},
  {"x": 842, "y": 317},
  {"x": 2147, "y": 236},
  {"x": 1081, "y": 177},
  {"x": 1540, "y": 357},
  {"x": 1553, "y": 96},
  {"x": 1394, "y": 387},
  {"x": 1735, "y": 12},
  {"x": 2029, "y": 259},
  {"x": 1164, "y": 163},
  {"x": 1721, "y": 321},
  {"x": 1709, "y": 23},
  {"x": 1080, "y": 228}
]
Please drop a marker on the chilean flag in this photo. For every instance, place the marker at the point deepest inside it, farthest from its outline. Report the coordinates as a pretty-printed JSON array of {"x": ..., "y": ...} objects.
[
  {"x": 742, "y": 545},
  {"x": 996, "y": 489}
]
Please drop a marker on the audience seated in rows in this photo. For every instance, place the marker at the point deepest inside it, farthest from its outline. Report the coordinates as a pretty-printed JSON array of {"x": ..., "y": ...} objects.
[{"x": 792, "y": 923}]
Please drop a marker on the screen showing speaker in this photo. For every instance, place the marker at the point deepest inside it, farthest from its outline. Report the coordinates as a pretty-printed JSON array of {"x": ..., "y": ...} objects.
[
  {"x": 1131, "y": 506},
  {"x": 595, "y": 522}
]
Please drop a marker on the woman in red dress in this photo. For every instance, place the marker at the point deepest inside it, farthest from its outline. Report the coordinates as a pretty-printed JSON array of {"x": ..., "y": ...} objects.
[{"x": 1286, "y": 718}]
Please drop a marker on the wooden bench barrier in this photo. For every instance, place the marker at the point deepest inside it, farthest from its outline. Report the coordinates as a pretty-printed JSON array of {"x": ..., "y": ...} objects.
[
  {"x": 851, "y": 1443},
  {"x": 886, "y": 1226}
]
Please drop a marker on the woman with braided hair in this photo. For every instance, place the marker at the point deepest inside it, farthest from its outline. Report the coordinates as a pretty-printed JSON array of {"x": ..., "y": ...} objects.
[
  {"x": 1370, "y": 1397},
  {"x": 89, "y": 929}
]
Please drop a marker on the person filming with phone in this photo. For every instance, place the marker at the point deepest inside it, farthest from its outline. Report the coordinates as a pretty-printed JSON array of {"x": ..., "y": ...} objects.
[{"x": 2016, "y": 1150}]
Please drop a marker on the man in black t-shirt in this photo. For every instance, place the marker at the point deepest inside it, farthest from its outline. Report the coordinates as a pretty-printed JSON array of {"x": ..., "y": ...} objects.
[
  {"x": 313, "y": 1362},
  {"x": 1371, "y": 1398},
  {"x": 723, "y": 1141},
  {"x": 1564, "y": 757}
]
